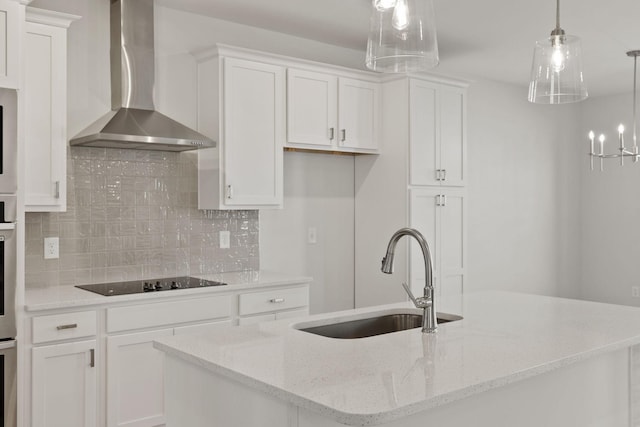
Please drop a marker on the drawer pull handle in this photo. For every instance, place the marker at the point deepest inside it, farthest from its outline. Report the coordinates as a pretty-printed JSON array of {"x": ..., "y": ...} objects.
[
  {"x": 276, "y": 300},
  {"x": 69, "y": 326},
  {"x": 92, "y": 354}
]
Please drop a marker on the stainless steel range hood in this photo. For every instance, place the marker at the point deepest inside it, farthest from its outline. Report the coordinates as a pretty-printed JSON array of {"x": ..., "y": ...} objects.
[{"x": 133, "y": 121}]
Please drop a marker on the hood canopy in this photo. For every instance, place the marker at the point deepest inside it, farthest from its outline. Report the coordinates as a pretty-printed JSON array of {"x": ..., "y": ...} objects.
[{"x": 133, "y": 121}]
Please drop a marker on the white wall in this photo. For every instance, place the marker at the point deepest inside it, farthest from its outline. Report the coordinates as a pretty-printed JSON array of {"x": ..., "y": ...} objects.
[
  {"x": 318, "y": 193},
  {"x": 610, "y": 208},
  {"x": 523, "y": 192}
]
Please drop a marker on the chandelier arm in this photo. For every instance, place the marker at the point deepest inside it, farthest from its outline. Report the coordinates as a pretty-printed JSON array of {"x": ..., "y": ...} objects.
[{"x": 557, "y": 14}]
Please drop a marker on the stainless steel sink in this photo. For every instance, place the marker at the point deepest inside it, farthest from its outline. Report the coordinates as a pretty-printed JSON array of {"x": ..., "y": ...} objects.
[{"x": 371, "y": 326}]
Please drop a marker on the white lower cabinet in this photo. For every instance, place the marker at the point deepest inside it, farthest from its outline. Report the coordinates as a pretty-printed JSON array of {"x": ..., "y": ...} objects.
[
  {"x": 69, "y": 388},
  {"x": 135, "y": 381},
  {"x": 64, "y": 385}
]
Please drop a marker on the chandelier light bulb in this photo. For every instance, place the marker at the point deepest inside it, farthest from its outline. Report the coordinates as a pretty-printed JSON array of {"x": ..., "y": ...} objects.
[
  {"x": 383, "y": 5},
  {"x": 557, "y": 57},
  {"x": 621, "y": 128},
  {"x": 400, "y": 19},
  {"x": 592, "y": 135}
]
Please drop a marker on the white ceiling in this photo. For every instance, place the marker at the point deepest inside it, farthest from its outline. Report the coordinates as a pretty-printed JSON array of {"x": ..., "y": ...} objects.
[{"x": 490, "y": 38}]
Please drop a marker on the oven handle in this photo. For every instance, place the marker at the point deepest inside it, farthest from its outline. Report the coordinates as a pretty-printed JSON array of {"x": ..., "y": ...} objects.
[{"x": 4, "y": 345}]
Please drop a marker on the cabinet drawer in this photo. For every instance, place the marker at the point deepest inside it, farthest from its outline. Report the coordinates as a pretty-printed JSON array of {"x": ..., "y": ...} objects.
[
  {"x": 63, "y": 326},
  {"x": 273, "y": 300},
  {"x": 167, "y": 313}
]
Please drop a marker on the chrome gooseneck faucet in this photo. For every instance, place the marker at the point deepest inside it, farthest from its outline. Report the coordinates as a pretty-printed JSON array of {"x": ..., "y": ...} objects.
[{"x": 427, "y": 302}]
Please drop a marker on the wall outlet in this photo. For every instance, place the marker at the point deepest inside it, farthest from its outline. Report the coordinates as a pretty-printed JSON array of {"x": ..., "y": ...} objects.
[
  {"x": 225, "y": 239},
  {"x": 51, "y": 248},
  {"x": 312, "y": 235},
  {"x": 635, "y": 291}
]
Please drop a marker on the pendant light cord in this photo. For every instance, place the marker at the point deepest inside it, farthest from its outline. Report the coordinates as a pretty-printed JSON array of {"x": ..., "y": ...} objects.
[{"x": 557, "y": 14}]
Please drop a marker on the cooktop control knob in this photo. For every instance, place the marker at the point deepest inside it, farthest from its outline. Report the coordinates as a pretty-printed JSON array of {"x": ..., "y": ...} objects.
[
  {"x": 158, "y": 286},
  {"x": 174, "y": 285}
]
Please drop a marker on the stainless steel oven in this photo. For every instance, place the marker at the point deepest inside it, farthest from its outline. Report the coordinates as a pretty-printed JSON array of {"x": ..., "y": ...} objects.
[
  {"x": 7, "y": 266},
  {"x": 8, "y": 372},
  {"x": 8, "y": 357},
  {"x": 8, "y": 141}
]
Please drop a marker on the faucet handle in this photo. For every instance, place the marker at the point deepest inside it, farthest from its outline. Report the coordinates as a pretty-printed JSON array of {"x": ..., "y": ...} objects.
[
  {"x": 418, "y": 302},
  {"x": 411, "y": 297}
]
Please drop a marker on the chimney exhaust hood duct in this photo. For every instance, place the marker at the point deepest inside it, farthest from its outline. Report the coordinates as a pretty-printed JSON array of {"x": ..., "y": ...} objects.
[{"x": 133, "y": 121}]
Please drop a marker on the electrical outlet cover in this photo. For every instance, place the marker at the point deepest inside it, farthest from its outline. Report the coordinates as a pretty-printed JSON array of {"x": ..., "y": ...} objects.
[{"x": 51, "y": 248}]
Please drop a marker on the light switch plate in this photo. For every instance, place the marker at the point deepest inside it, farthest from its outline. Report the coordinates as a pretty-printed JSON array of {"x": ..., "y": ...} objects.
[{"x": 225, "y": 239}]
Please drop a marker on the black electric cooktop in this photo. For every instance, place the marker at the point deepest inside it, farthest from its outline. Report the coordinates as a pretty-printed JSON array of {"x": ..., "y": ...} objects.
[{"x": 142, "y": 286}]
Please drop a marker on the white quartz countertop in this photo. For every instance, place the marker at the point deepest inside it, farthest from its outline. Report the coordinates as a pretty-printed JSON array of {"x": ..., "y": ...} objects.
[
  {"x": 503, "y": 338},
  {"x": 68, "y": 296}
]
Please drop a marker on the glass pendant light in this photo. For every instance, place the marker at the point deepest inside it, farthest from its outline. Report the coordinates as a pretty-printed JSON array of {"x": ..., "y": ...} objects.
[
  {"x": 402, "y": 36},
  {"x": 556, "y": 73}
]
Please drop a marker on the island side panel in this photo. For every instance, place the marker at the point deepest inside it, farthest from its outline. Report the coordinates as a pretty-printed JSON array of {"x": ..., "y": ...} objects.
[
  {"x": 591, "y": 393},
  {"x": 196, "y": 397},
  {"x": 634, "y": 385}
]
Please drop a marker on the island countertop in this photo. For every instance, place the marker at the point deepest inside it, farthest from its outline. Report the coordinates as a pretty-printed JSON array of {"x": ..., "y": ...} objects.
[{"x": 503, "y": 338}]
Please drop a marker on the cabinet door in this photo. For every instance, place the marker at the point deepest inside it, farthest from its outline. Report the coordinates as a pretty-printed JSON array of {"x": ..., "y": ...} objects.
[
  {"x": 312, "y": 109},
  {"x": 358, "y": 115},
  {"x": 46, "y": 120},
  {"x": 64, "y": 385},
  {"x": 10, "y": 18},
  {"x": 452, "y": 136},
  {"x": 423, "y": 216},
  {"x": 424, "y": 150},
  {"x": 440, "y": 215},
  {"x": 452, "y": 249},
  {"x": 253, "y": 133},
  {"x": 135, "y": 380}
]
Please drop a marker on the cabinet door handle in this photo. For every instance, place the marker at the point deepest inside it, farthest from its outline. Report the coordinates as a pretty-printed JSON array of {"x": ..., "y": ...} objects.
[
  {"x": 92, "y": 357},
  {"x": 438, "y": 174},
  {"x": 69, "y": 326},
  {"x": 343, "y": 135},
  {"x": 444, "y": 200},
  {"x": 56, "y": 192},
  {"x": 276, "y": 300},
  {"x": 229, "y": 192},
  {"x": 444, "y": 174},
  {"x": 331, "y": 133}
]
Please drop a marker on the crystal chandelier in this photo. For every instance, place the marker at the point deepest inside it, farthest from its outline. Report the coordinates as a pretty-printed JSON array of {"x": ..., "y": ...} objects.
[
  {"x": 556, "y": 72},
  {"x": 623, "y": 152}
]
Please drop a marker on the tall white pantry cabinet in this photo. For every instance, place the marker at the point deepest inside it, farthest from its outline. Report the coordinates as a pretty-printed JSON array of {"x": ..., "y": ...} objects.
[{"x": 419, "y": 181}]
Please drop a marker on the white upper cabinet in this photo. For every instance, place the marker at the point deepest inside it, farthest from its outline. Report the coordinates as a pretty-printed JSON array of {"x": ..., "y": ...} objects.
[
  {"x": 241, "y": 105},
  {"x": 437, "y": 134},
  {"x": 312, "y": 109},
  {"x": 11, "y": 15},
  {"x": 45, "y": 106},
  {"x": 329, "y": 112}
]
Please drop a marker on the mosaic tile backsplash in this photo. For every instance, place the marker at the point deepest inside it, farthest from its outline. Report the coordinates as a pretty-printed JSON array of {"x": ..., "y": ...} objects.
[{"x": 132, "y": 215}]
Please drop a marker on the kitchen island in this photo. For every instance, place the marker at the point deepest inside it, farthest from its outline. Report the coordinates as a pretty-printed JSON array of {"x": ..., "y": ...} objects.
[{"x": 513, "y": 360}]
